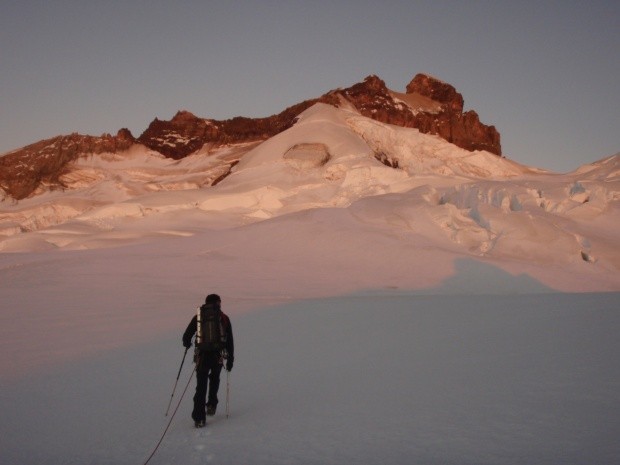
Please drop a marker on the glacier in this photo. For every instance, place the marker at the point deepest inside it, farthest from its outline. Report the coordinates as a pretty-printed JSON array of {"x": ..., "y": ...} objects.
[{"x": 394, "y": 298}]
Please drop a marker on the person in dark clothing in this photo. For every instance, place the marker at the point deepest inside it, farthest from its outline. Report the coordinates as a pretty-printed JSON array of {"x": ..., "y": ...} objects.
[{"x": 214, "y": 348}]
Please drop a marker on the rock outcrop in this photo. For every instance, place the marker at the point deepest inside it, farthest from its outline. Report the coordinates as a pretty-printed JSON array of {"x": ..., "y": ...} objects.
[
  {"x": 436, "y": 90},
  {"x": 430, "y": 105},
  {"x": 186, "y": 133},
  {"x": 462, "y": 129},
  {"x": 44, "y": 162}
]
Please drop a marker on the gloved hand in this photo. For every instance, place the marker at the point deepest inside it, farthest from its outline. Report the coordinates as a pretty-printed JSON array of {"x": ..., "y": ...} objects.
[
  {"x": 187, "y": 344},
  {"x": 229, "y": 363}
]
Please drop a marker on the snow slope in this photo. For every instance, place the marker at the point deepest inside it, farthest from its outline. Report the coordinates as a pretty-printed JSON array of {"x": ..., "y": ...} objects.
[
  {"x": 394, "y": 299},
  {"x": 420, "y": 188}
]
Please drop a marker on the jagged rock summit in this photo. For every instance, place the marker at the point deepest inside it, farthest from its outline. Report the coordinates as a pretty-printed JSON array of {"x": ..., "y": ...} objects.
[{"x": 429, "y": 105}]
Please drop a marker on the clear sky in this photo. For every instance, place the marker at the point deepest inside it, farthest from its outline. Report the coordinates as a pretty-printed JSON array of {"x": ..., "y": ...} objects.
[{"x": 545, "y": 73}]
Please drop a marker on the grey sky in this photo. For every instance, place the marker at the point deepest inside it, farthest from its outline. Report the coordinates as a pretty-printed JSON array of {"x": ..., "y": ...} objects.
[{"x": 544, "y": 73}]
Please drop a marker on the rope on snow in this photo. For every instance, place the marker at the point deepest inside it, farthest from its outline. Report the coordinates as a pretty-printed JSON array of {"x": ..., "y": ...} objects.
[{"x": 171, "y": 418}]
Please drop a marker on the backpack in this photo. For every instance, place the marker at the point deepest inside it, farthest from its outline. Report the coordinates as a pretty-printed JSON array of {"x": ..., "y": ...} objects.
[{"x": 210, "y": 333}]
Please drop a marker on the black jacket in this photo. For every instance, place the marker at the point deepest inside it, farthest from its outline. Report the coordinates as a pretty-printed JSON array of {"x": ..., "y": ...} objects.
[{"x": 192, "y": 327}]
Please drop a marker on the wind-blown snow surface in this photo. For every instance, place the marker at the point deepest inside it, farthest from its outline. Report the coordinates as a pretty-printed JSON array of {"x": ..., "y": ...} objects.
[
  {"x": 381, "y": 314},
  {"x": 370, "y": 379}
]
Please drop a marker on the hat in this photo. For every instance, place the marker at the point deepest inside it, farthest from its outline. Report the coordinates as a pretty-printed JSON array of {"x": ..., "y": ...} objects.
[{"x": 213, "y": 299}]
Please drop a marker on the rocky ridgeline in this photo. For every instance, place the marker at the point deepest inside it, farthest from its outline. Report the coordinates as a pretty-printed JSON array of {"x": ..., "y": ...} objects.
[
  {"x": 44, "y": 162},
  {"x": 430, "y": 105},
  {"x": 186, "y": 133},
  {"x": 442, "y": 114}
]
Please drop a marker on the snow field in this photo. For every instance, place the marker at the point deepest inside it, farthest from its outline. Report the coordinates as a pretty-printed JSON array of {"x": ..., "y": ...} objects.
[
  {"x": 375, "y": 378},
  {"x": 418, "y": 320}
]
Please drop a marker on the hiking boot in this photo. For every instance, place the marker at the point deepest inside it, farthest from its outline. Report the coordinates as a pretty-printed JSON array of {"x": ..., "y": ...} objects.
[
  {"x": 200, "y": 424},
  {"x": 210, "y": 410}
]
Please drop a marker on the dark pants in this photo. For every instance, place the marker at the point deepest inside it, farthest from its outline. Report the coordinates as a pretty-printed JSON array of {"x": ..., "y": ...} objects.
[{"x": 207, "y": 379}]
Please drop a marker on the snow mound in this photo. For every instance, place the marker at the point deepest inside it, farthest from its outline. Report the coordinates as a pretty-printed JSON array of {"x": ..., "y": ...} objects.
[
  {"x": 421, "y": 154},
  {"x": 306, "y": 156},
  {"x": 607, "y": 169}
]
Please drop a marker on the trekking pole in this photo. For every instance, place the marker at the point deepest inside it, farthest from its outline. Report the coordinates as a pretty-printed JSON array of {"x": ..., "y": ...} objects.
[
  {"x": 227, "y": 393},
  {"x": 175, "y": 383},
  {"x": 171, "y": 418}
]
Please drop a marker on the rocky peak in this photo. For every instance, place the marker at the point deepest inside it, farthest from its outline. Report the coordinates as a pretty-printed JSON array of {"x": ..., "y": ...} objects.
[
  {"x": 125, "y": 135},
  {"x": 183, "y": 134},
  {"x": 440, "y": 111},
  {"x": 370, "y": 87},
  {"x": 437, "y": 90},
  {"x": 462, "y": 129},
  {"x": 373, "y": 82},
  {"x": 430, "y": 105},
  {"x": 184, "y": 115}
]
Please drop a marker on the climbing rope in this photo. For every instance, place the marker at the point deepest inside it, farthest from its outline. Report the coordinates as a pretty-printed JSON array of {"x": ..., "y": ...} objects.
[{"x": 171, "y": 418}]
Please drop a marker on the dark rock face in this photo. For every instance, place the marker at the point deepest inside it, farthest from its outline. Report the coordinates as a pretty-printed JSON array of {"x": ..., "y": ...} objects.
[
  {"x": 462, "y": 129},
  {"x": 186, "y": 133},
  {"x": 43, "y": 162},
  {"x": 430, "y": 105},
  {"x": 445, "y": 118},
  {"x": 436, "y": 90},
  {"x": 182, "y": 135},
  {"x": 373, "y": 99}
]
